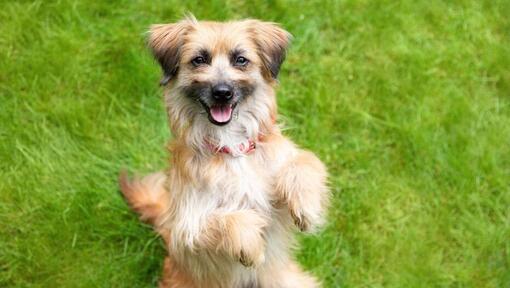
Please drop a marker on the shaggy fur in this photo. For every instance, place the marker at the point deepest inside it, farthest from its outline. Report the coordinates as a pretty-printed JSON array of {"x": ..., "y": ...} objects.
[{"x": 228, "y": 218}]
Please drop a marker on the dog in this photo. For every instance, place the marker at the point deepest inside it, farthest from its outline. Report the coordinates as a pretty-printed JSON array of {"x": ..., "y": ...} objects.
[{"x": 237, "y": 189}]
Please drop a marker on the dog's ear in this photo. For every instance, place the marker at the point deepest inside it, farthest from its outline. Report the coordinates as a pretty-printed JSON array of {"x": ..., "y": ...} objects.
[
  {"x": 272, "y": 42},
  {"x": 165, "y": 40}
]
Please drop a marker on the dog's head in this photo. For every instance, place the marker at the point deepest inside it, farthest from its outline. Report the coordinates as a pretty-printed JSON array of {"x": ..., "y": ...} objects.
[{"x": 217, "y": 70}]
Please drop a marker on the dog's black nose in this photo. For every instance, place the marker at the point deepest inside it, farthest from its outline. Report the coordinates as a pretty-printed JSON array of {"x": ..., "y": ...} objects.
[{"x": 222, "y": 92}]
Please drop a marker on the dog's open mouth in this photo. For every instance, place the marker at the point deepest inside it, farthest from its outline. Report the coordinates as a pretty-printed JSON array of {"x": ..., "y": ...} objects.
[{"x": 220, "y": 114}]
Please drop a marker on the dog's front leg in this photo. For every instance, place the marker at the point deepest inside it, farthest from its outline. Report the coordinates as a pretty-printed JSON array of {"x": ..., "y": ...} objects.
[
  {"x": 239, "y": 234},
  {"x": 301, "y": 184}
]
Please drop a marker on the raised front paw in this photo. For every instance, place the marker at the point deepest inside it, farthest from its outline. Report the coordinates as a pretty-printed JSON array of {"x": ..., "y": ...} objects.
[
  {"x": 251, "y": 259},
  {"x": 301, "y": 221},
  {"x": 301, "y": 185},
  {"x": 306, "y": 214},
  {"x": 244, "y": 237},
  {"x": 251, "y": 255}
]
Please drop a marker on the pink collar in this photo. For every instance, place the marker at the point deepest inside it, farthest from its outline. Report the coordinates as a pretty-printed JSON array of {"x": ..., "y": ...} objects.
[{"x": 224, "y": 149}]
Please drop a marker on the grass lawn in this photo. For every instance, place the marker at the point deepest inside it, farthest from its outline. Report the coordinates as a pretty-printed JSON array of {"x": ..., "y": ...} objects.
[{"x": 407, "y": 103}]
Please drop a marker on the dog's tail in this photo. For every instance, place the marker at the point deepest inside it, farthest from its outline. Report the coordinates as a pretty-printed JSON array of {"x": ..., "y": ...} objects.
[{"x": 147, "y": 196}]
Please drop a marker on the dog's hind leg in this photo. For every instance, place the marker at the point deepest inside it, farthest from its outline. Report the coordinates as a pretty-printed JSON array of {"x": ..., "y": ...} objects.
[
  {"x": 147, "y": 196},
  {"x": 173, "y": 278}
]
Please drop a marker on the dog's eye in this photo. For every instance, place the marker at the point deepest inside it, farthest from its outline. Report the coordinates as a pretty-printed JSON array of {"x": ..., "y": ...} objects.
[
  {"x": 241, "y": 61},
  {"x": 198, "y": 60}
]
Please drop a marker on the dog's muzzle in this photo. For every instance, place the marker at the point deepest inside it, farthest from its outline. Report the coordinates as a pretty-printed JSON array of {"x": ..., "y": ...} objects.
[{"x": 220, "y": 113}]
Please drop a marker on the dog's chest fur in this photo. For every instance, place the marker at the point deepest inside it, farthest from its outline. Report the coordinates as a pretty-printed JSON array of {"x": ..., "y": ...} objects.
[{"x": 238, "y": 183}]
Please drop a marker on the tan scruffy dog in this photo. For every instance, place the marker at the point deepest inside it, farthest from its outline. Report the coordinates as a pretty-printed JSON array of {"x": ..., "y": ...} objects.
[{"x": 236, "y": 188}]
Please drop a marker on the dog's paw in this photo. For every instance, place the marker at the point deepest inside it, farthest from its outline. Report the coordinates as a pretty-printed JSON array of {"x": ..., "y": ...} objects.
[
  {"x": 306, "y": 215},
  {"x": 301, "y": 184},
  {"x": 248, "y": 259},
  {"x": 246, "y": 237},
  {"x": 300, "y": 220}
]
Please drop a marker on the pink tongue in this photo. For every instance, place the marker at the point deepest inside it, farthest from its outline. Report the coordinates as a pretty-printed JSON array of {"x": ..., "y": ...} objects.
[{"x": 221, "y": 113}]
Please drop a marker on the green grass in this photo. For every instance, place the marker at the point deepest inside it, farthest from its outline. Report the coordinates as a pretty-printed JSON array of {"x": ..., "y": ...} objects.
[{"x": 407, "y": 103}]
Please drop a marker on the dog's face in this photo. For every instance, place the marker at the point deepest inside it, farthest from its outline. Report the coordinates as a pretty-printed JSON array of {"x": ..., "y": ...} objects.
[{"x": 217, "y": 67}]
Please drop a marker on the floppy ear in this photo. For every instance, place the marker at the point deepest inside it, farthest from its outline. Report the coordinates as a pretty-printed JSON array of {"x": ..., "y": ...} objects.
[
  {"x": 165, "y": 40},
  {"x": 272, "y": 42}
]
